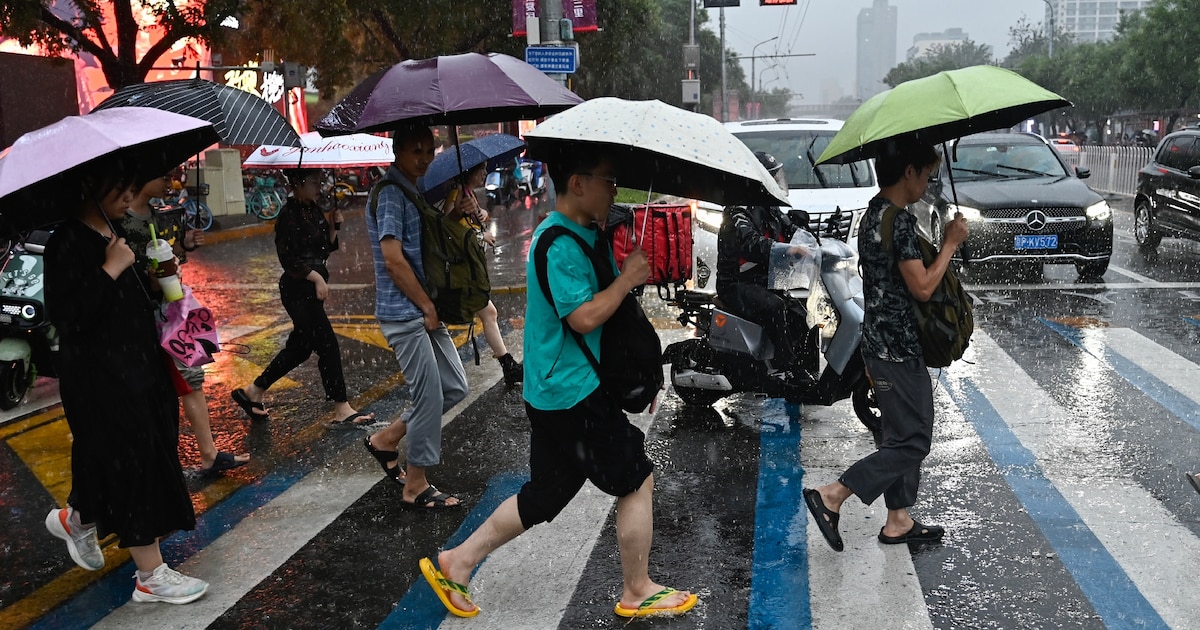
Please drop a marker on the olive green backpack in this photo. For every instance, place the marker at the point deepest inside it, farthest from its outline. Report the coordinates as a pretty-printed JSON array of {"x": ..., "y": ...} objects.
[{"x": 944, "y": 322}]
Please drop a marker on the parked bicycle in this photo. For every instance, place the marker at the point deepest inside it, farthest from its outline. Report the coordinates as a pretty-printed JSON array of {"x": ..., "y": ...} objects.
[
  {"x": 263, "y": 197},
  {"x": 196, "y": 214},
  {"x": 335, "y": 195}
]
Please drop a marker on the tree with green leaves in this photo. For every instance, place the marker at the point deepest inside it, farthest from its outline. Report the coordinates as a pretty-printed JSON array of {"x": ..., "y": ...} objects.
[
  {"x": 939, "y": 58},
  {"x": 51, "y": 27}
]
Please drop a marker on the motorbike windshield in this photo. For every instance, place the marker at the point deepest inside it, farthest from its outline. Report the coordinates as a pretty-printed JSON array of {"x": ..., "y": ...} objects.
[{"x": 794, "y": 265}]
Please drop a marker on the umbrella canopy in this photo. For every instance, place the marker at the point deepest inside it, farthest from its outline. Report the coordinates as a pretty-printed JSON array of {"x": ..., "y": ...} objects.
[
  {"x": 38, "y": 170},
  {"x": 940, "y": 107},
  {"x": 491, "y": 150},
  {"x": 449, "y": 90},
  {"x": 359, "y": 149},
  {"x": 655, "y": 146},
  {"x": 239, "y": 117}
]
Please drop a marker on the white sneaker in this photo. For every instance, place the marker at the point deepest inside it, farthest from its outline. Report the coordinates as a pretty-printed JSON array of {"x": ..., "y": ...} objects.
[
  {"x": 81, "y": 542},
  {"x": 168, "y": 585}
]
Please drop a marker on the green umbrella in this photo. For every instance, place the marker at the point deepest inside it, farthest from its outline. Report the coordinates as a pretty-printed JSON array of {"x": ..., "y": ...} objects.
[{"x": 941, "y": 107}]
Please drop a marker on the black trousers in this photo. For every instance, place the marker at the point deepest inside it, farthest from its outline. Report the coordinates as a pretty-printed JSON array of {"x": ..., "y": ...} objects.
[
  {"x": 905, "y": 397},
  {"x": 311, "y": 332}
]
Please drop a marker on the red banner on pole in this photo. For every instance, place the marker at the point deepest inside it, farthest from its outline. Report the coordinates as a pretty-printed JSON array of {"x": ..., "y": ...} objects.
[{"x": 582, "y": 14}]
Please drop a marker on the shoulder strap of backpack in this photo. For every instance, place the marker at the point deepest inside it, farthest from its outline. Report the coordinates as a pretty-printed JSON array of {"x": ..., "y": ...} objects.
[
  {"x": 373, "y": 200},
  {"x": 887, "y": 228},
  {"x": 543, "y": 276}
]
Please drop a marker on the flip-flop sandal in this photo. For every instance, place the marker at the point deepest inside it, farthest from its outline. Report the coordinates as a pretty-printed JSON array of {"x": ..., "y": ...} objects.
[
  {"x": 646, "y": 608},
  {"x": 442, "y": 586},
  {"x": 919, "y": 533},
  {"x": 384, "y": 458},
  {"x": 222, "y": 462},
  {"x": 431, "y": 499},
  {"x": 355, "y": 420},
  {"x": 827, "y": 520},
  {"x": 1195, "y": 480},
  {"x": 249, "y": 406}
]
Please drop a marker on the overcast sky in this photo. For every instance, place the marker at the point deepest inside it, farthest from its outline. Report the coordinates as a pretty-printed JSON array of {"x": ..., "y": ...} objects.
[{"x": 827, "y": 28}]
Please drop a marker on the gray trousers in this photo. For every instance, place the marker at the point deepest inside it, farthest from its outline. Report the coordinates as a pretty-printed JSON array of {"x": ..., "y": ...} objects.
[
  {"x": 436, "y": 377},
  {"x": 905, "y": 397}
]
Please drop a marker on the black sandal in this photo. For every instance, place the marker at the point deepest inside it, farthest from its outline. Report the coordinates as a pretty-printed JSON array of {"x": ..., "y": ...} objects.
[
  {"x": 827, "y": 520},
  {"x": 431, "y": 499},
  {"x": 384, "y": 458},
  {"x": 249, "y": 406},
  {"x": 918, "y": 533}
]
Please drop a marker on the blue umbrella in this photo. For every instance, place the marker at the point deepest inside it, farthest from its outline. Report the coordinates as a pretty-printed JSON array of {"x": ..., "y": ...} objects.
[{"x": 491, "y": 150}]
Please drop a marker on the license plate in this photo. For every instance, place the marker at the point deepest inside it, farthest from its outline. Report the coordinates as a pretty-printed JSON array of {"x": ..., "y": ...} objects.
[{"x": 1038, "y": 241}]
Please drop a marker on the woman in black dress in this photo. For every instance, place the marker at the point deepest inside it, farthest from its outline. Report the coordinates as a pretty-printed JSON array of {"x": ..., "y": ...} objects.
[
  {"x": 303, "y": 240},
  {"x": 117, "y": 394}
]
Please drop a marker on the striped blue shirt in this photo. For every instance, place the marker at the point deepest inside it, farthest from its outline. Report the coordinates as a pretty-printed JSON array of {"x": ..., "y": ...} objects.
[{"x": 396, "y": 216}]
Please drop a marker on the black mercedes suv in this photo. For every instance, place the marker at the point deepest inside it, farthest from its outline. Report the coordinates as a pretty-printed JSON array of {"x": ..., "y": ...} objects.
[
  {"x": 1022, "y": 204},
  {"x": 1167, "y": 201}
]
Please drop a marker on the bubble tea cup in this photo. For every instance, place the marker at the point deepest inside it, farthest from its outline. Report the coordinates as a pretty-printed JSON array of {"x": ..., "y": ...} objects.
[{"x": 165, "y": 268}]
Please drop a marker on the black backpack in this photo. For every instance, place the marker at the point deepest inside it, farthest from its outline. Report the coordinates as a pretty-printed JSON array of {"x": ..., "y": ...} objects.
[
  {"x": 946, "y": 321},
  {"x": 456, "y": 276},
  {"x": 630, "y": 365}
]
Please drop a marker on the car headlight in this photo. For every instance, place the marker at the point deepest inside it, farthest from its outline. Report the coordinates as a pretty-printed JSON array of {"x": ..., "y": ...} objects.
[
  {"x": 709, "y": 218},
  {"x": 1099, "y": 211},
  {"x": 969, "y": 213}
]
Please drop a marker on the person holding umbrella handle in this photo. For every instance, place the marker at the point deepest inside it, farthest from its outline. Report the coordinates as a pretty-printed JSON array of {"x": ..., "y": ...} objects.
[
  {"x": 118, "y": 394},
  {"x": 892, "y": 352}
]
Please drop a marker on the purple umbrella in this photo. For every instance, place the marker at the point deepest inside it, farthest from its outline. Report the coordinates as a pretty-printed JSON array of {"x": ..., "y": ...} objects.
[
  {"x": 43, "y": 163},
  {"x": 451, "y": 90}
]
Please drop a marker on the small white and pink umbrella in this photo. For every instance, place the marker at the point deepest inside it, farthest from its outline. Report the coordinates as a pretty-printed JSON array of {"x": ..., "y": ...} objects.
[{"x": 355, "y": 150}]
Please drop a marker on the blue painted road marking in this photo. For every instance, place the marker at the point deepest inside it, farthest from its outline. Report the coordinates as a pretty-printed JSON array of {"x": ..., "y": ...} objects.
[{"x": 779, "y": 595}]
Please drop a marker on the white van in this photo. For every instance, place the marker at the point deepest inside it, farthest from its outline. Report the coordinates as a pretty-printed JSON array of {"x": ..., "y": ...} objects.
[{"x": 821, "y": 191}]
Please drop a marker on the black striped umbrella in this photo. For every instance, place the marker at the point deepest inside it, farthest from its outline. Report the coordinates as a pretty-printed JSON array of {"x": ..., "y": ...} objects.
[{"x": 239, "y": 117}]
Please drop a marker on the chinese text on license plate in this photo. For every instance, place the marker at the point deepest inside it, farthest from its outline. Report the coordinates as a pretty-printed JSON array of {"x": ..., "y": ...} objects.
[{"x": 1038, "y": 241}]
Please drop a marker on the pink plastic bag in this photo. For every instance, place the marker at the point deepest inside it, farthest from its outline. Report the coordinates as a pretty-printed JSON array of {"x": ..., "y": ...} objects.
[{"x": 189, "y": 333}]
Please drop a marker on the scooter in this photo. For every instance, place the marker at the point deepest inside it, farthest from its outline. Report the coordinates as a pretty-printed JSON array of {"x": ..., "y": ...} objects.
[
  {"x": 27, "y": 339},
  {"x": 731, "y": 355}
]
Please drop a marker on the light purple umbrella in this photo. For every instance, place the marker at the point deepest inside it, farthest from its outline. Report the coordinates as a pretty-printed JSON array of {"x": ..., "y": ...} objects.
[
  {"x": 40, "y": 164},
  {"x": 451, "y": 90}
]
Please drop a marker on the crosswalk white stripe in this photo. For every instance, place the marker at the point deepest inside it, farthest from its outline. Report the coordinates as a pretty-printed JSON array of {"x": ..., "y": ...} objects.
[
  {"x": 1175, "y": 371},
  {"x": 1156, "y": 552},
  {"x": 869, "y": 585}
]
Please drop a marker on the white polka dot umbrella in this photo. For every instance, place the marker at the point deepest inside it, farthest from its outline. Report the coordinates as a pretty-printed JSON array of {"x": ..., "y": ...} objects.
[{"x": 660, "y": 148}]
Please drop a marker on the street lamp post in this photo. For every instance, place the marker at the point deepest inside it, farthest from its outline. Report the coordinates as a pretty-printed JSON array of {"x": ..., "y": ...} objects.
[{"x": 753, "y": 58}]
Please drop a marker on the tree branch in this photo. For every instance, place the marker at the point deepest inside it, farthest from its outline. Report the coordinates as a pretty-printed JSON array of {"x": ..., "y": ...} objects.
[
  {"x": 76, "y": 35},
  {"x": 389, "y": 33}
]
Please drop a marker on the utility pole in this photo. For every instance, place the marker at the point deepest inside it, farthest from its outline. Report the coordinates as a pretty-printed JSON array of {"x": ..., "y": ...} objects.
[
  {"x": 1050, "y": 36},
  {"x": 724, "y": 62},
  {"x": 550, "y": 15}
]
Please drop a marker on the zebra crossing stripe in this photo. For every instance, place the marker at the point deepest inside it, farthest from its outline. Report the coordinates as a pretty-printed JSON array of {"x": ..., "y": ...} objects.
[
  {"x": 1164, "y": 376},
  {"x": 779, "y": 572},
  {"x": 1126, "y": 552}
]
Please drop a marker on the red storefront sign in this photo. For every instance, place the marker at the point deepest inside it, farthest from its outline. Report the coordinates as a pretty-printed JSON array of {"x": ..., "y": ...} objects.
[{"x": 582, "y": 14}]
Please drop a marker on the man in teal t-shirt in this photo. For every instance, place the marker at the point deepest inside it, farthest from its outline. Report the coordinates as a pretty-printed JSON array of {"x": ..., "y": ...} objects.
[{"x": 577, "y": 433}]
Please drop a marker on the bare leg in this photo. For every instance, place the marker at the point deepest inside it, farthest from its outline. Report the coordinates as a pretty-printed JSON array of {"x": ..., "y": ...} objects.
[
  {"x": 388, "y": 439},
  {"x": 833, "y": 495},
  {"x": 635, "y": 532},
  {"x": 146, "y": 557},
  {"x": 195, "y": 409},
  {"x": 254, "y": 392},
  {"x": 344, "y": 410},
  {"x": 457, "y": 564},
  {"x": 491, "y": 330},
  {"x": 417, "y": 483},
  {"x": 899, "y": 522}
]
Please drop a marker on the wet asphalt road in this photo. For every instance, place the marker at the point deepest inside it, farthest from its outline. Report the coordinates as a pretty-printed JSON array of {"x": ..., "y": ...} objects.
[{"x": 1056, "y": 468}]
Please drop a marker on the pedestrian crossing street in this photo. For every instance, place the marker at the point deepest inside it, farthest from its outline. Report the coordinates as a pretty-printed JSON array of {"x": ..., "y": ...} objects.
[{"x": 1057, "y": 469}]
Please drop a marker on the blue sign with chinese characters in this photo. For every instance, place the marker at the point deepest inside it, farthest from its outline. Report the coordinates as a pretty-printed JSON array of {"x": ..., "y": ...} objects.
[{"x": 552, "y": 59}]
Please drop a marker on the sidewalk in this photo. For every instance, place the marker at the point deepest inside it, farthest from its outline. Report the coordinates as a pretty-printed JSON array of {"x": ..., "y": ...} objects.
[{"x": 235, "y": 226}]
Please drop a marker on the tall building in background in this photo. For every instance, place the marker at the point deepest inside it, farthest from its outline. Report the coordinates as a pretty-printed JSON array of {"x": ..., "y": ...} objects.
[
  {"x": 876, "y": 48},
  {"x": 1090, "y": 21},
  {"x": 923, "y": 43}
]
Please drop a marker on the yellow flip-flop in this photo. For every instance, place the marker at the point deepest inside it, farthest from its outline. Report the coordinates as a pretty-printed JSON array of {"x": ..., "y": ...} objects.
[
  {"x": 646, "y": 610},
  {"x": 442, "y": 586}
]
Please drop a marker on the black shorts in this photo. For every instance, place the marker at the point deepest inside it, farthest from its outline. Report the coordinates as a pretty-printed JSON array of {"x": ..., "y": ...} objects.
[{"x": 592, "y": 441}]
